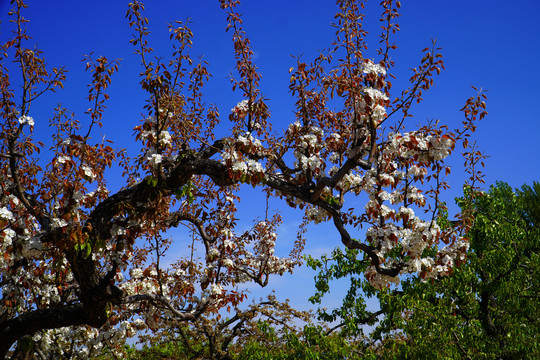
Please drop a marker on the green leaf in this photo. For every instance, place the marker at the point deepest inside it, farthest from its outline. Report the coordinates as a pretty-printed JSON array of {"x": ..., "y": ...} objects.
[{"x": 186, "y": 191}]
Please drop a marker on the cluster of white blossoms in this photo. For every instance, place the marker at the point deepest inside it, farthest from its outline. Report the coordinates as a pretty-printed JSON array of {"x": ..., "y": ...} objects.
[
  {"x": 248, "y": 166},
  {"x": 359, "y": 182},
  {"x": 85, "y": 170},
  {"x": 162, "y": 140},
  {"x": 406, "y": 158},
  {"x": 36, "y": 284},
  {"x": 88, "y": 173},
  {"x": 427, "y": 267},
  {"x": 212, "y": 292},
  {"x": 413, "y": 237},
  {"x": 74, "y": 204},
  {"x": 448, "y": 255},
  {"x": 308, "y": 142},
  {"x": 237, "y": 161},
  {"x": 26, "y": 120},
  {"x": 239, "y": 112},
  {"x": 378, "y": 113},
  {"x": 265, "y": 246},
  {"x": 378, "y": 280},
  {"x": 154, "y": 159},
  {"x": 62, "y": 159},
  {"x": 6, "y": 214},
  {"x": 372, "y": 68},
  {"x": 441, "y": 264},
  {"x": 316, "y": 214},
  {"x": 264, "y": 260},
  {"x": 6, "y": 243},
  {"x": 117, "y": 230},
  {"x": 14, "y": 242},
  {"x": 415, "y": 144},
  {"x": 58, "y": 223},
  {"x": 417, "y": 237},
  {"x": 243, "y": 263},
  {"x": 376, "y": 95},
  {"x": 216, "y": 289},
  {"x": 145, "y": 282},
  {"x": 212, "y": 254},
  {"x": 82, "y": 342},
  {"x": 242, "y": 106},
  {"x": 249, "y": 141},
  {"x": 26, "y": 246},
  {"x": 374, "y": 109},
  {"x": 398, "y": 226}
]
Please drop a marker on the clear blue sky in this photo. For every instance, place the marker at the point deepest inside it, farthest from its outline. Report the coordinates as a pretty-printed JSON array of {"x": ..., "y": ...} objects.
[{"x": 489, "y": 44}]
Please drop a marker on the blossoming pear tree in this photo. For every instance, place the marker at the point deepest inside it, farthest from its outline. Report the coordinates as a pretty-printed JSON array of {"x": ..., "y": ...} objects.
[{"x": 81, "y": 263}]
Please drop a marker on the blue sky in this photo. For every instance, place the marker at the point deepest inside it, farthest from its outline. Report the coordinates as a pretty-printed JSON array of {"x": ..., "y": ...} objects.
[{"x": 489, "y": 44}]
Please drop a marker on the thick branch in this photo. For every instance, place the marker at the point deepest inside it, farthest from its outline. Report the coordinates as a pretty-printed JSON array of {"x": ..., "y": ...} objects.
[
  {"x": 29, "y": 323},
  {"x": 301, "y": 193},
  {"x": 143, "y": 192},
  {"x": 351, "y": 163}
]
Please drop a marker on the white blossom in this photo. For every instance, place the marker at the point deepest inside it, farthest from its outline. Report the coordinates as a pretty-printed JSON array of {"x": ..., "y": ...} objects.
[
  {"x": 212, "y": 254},
  {"x": 8, "y": 237},
  {"x": 6, "y": 214},
  {"x": 26, "y": 120},
  {"x": 316, "y": 214},
  {"x": 155, "y": 159},
  {"x": 165, "y": 138},
  {"x": 88, "y": 173},
  {"x": 375, "y": 94},
  {"x": 216, "y": 289},
  {"x": 58, "y": 223},
  {"x": 406, "y": 212},
  {"x": 136, "y": 273},
  {"x": 241, "y": 106},
  {"x": 228, "y": 263},
  {"x": 63, "y": 158},
  {"x": 117, "y": 230},
  {"x": 372, "y": 68},
  {"x": 379, "y": 113}
]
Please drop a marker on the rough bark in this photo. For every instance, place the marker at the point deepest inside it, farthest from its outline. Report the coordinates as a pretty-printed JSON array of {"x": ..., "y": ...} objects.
[{"x": 29, "y": 323}]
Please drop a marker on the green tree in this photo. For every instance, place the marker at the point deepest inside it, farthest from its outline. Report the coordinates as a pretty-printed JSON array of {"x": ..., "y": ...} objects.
[
  {"x": 488, "y": 308},
  {"x": 353, "y": 313},
  {"x": 312, "y": 343}
]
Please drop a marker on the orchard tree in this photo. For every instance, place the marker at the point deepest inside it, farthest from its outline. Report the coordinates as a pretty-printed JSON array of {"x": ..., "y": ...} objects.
[
  {"x": 81, "y": 263},
  {"x": 260, "y": 328}
]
